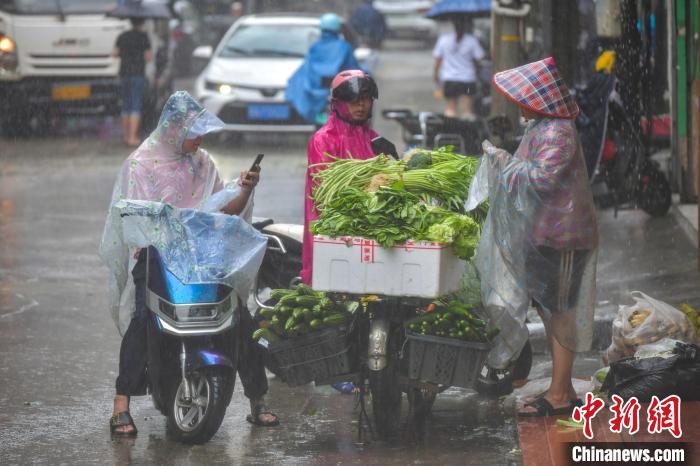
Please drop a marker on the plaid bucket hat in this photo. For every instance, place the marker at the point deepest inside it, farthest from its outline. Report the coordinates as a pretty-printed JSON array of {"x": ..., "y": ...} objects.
[{"x": 539, "y": 87}]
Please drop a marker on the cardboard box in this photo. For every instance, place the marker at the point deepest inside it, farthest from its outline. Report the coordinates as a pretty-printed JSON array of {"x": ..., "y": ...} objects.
[{"x": 360, "y": 266}]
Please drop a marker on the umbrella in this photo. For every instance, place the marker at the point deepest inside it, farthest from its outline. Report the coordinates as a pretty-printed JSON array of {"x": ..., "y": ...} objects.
[
  {"x": 446, "y": 9},
  {"x": 138, "y": 9}
]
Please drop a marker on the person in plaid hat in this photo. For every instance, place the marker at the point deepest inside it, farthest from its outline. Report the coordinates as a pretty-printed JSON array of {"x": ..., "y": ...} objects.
[{"x": 539, "y": 243}]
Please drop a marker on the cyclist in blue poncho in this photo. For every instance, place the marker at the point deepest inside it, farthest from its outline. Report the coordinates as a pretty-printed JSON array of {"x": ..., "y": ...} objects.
[{"x": 308, "y": 88}]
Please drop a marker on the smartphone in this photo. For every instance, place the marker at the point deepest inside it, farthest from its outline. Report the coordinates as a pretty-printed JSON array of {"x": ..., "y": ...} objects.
[
  {"x": 256, "y": 164},
  {"x": 381, "y": 145}
]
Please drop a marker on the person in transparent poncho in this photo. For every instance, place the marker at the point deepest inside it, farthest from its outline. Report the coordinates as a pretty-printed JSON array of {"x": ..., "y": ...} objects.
[
  {"x": 170, "y": 167},
  {"x": 539, "y": 243}
]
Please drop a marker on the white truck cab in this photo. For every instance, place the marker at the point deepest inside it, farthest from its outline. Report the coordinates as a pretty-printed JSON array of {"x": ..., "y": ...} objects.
[{"x": 55, "y": 58}]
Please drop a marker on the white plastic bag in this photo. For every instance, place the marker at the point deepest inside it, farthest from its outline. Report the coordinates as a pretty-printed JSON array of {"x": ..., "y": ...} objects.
[
  {"x": 647, "y": 321},
  {"x": 231, "y": 190}
]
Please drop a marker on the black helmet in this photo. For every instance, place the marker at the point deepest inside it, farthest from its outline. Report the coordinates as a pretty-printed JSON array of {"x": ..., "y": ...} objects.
[{"x": 352, "y": 85}]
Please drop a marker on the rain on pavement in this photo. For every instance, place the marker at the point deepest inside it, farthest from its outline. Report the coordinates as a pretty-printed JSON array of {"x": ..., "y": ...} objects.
[{"x": 59, "y": 347}]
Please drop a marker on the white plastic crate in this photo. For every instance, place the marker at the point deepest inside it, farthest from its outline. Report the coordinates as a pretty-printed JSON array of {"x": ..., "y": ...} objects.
[{"x": 358, "y": 265}]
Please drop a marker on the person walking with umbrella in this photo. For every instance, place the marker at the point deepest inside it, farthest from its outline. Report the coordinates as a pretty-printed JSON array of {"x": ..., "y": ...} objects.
[
  {"x": 457, "y": 55},
  {"x": 134, "y": 49}
]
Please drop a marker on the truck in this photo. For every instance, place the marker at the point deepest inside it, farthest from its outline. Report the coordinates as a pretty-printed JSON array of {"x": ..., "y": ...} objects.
[{"x": 56, "y": 59}]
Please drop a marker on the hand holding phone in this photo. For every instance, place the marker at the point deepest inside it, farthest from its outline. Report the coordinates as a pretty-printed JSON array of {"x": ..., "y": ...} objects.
[
  {"x": 249, "y": 179},
  {"x": 256, "y": 164}
]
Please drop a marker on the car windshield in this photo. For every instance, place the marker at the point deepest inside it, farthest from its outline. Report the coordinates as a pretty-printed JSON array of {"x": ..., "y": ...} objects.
[
  {"x": 57, "y": 6},
  {"x": 270, "y": 40}
]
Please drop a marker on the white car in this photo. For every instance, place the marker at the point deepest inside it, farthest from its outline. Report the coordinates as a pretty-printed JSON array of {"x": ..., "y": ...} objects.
[
  {"x": 406, "y": 18},
  {"x": 245, "y": 80}
]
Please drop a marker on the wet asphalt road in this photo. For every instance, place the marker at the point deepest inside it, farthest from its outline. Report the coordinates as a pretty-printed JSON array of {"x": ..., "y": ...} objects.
[{"x": 58, "y": 346}]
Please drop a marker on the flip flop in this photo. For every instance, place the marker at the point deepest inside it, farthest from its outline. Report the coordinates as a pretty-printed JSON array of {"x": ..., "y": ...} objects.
[
  {"x": 531, "y": 399},
  {"x": 544, "y": 408},
  {"x": 122, "y": 419},
  {"x": 254, "y": 417}
]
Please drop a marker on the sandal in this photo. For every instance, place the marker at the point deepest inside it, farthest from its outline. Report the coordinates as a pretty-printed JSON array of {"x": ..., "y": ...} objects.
[
  {"x": 122, "y": 419},
  {"x": 258, "y": 410},
  {"x": 545, "y": 408},
  {"x": 528, "y": 401}
]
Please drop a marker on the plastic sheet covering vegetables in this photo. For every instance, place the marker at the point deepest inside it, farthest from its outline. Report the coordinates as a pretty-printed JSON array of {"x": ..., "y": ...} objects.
[
  {"x": 196, "y": 246},
  {"x": 539, "y": 240},
  {"x": 646, "y": 321}
]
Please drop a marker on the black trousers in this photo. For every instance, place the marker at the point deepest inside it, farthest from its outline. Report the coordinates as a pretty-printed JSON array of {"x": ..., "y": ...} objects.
[{"x": 133, "y": 353}]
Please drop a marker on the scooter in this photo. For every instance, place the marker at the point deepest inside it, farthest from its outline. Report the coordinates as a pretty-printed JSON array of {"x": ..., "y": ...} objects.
[
  {"x": 192, "y": 347},
  {"x": 192, "y": 350},
  {"x": 431, "y": 130},
  {"x": 616, "y": 159},
  {"x": 381, "y": 339}
]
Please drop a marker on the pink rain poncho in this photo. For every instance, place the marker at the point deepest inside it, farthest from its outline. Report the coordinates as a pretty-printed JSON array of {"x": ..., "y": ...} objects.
[
  {"x": 158, "y": 170},
  {"x": 339, "y": 138},
  {"x": 540, "y": 239}
]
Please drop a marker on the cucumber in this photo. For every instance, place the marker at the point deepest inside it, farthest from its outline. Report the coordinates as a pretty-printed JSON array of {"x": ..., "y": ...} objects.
[
  {"x": 280, "y": 293},
  {"x": 458, "y": 310},
  {"x": 335, "y": 319},
  {"x": 284, "y": 311},
  {"x": 296, "y": 313},
  {"x": 306, "y": 301},
  {"x": 300, "y": 329},
  {"x": 316, "y": 324},
  {"x": 289, "y": 325},
  {"x": 289, "y": 299},
  {"x": 264, "y": 333},
  {"x": 308, "y": 315},
  {"x": 267, "y": 313},
  {"x": 264, "y": 324},
  {"x": 304, "y": 290}
]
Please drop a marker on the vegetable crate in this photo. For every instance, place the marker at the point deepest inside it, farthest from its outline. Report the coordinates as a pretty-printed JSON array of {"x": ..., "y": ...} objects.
[
  {"x": 317, "y": 355},
  {"x": 445, "y": 361},
  {"x": 360, "y": 266}
]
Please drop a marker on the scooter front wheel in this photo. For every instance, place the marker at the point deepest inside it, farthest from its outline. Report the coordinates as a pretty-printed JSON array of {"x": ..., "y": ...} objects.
[{"x": 198, "y": 405}]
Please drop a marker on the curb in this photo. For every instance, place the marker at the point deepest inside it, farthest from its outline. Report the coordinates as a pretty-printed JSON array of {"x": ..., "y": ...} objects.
[{"x": 686, "y": 224}]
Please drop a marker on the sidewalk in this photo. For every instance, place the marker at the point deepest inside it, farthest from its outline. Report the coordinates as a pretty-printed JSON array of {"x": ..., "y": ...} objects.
[{"x": 637, "y": 252}]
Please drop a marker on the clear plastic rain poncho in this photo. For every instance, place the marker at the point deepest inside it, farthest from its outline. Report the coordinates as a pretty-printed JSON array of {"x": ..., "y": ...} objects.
[
  {"x": 539, "y": 241},
  {"x": 160, "y": 171}
]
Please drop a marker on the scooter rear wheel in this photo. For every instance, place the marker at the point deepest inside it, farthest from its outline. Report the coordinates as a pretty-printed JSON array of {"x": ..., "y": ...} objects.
[{"x": 197, "y": 419}]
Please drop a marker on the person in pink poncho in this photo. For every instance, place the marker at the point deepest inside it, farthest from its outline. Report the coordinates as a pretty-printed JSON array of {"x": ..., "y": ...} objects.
[
  {"x": 539, "y": 243},
  {"x": 346, "y": 134},
  {"x": 170, "y": 167}
]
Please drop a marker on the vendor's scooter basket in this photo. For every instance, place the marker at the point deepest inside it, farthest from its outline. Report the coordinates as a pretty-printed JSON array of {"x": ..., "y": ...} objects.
[
  {"x": 317, "y": 356},
  {"x": 445, "y": 361}
]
